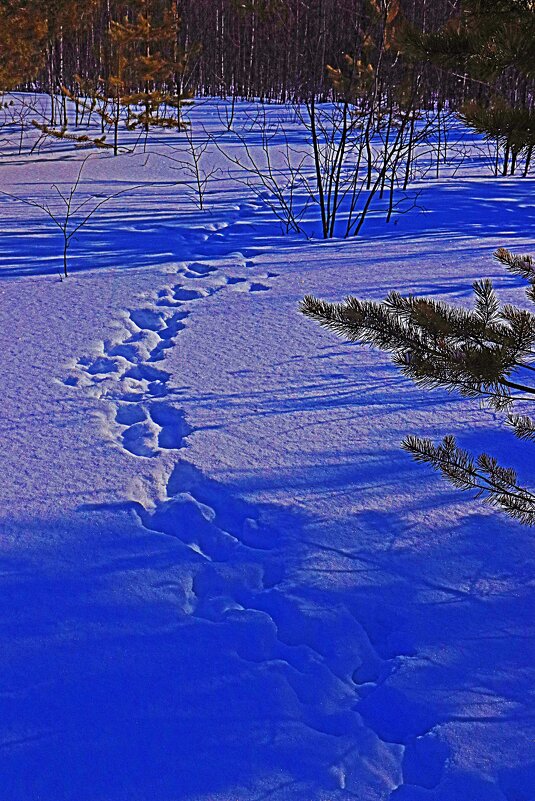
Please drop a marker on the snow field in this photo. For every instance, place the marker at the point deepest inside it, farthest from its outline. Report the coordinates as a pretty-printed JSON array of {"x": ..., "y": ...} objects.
[{"x": 220, "y": 576}]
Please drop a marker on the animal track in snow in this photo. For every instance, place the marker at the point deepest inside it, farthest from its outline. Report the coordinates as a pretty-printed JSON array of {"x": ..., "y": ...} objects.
[
  {"x": 182, "y": 294},
  {"x": 145, "y": 372},
  {"x": 239, "y": 558},
  {"x": 128, "y": 414},
  {"x": 424, "y": 761},
  {"x": 138, "y": 439},
  {"x": 147, "y": 319},
  {"x": 199, "y": 270},
  {"x": 126, "y": 373},
  {"x": 130, "y": 352},
  {"x": 242, "y": 284},
  {"x": 167, "y": 335},
  {"x": 147, "y": 429},
  {"x": 101, "y": 366},
  {"x": 172, "y": 423}
]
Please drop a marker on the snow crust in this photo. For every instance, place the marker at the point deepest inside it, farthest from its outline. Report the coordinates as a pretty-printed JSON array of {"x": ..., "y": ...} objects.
[{"x": 220, "y": 576}]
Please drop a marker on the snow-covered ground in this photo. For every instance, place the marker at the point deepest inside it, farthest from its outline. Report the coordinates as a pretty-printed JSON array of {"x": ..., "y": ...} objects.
[{"x": 221, "y": 579}]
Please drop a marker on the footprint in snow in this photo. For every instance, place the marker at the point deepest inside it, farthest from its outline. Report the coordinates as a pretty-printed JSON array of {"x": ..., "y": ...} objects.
[
  {"x": 102, "y": 366},
  {"x": 130, "y": 352},
  {"x": 173, "y": 425},
  {"x": 145, "y": 372},
  {"x": 146, "y": 432},
  {"x": 174, "y": 325},
  {"x": 129, "y": 414},
  {"x": 245, "y": 285},
  {"x": 200, "y": 513},
  {"x": 199, "y": 270},
  {"x": 147, "y": 319},
  {"x": 138, "y": 439},
  {"x": 183, "y": 294}
]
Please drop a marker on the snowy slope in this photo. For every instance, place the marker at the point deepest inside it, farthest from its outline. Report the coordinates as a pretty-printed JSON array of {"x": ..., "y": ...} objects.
[{"x": 221, "y": 578}]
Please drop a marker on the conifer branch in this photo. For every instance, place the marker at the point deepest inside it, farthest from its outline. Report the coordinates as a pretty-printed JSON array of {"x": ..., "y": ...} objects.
[
  {"x": 523, "y": 426},
  {"x": 497, "y": 485},
  {"x": 79, "y": 139},
  {"x": 477, "y": 352},
  {"x": 517, "y": 265},
  {"x": 437, "y": 345}
]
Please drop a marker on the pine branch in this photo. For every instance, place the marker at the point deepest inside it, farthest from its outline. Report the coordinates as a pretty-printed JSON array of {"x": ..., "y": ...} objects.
[
  {"x": 497, "y": 485},
  {"x": 523, "y": 426},
  {"x": 507, "y": 124},
  {"x": 487, "y": 304},
  {"x": 517, "y": 265},
  {"x": 475, "y": 352},
  {"x": 79, "y": 139},
  {"x": 437, "y": 345}
]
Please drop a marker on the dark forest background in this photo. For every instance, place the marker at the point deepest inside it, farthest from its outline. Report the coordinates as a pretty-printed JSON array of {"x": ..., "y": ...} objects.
[
  {"x": 268, "y": 49},
  {"x": 136, "y": 62}
]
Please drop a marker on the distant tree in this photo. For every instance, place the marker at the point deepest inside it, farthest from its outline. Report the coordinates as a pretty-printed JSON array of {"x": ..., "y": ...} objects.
[
  {"x": 61, "y": 20},
  {"x": 149, "y": 64},
  {"x": 141, "y": 77},
  {"x": 22, "y": 36},
  {"x": 482, "y": 353},
  {"x": 491, "y": 44}
]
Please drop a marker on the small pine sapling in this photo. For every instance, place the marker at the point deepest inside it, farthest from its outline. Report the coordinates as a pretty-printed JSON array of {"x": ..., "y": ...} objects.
[{"x": 151, "y": 66}]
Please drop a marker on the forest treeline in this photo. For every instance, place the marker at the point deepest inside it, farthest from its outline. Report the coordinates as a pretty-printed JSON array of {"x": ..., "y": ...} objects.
[
  {"x": 134, "y": 63},
  {"x": 269, "y": 49}
]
